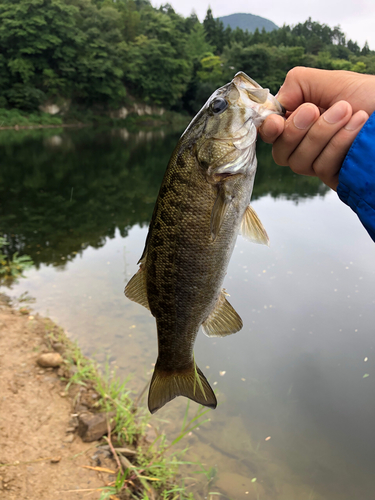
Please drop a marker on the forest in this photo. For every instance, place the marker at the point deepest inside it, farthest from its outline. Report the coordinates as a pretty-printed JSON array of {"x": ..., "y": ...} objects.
[{"x": 104, "y": 54}]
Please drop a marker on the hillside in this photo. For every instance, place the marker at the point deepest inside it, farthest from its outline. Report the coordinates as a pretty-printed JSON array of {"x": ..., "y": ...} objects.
[{"x": 248, "y": 22}]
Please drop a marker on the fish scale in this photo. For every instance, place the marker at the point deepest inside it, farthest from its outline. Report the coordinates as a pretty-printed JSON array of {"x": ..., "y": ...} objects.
[{"x": 202, "y": 204}]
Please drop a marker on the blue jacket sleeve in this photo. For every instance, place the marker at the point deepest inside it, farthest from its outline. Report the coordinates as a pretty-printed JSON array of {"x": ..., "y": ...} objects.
[{"x": 356, "y": 185}]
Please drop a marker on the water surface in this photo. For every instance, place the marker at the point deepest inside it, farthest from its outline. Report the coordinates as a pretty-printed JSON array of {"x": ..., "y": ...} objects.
[{"x": 296, "y": 408}]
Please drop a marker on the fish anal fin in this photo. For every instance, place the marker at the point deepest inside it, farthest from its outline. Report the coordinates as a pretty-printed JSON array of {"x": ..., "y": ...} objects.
[
  {"x": 223, "y": 320},
  {"x": 136, "y": 289},
  {"x": 219, "y": 210},
  {"x": 252, "y": 229},
  {"x": 190, "y": 382}
]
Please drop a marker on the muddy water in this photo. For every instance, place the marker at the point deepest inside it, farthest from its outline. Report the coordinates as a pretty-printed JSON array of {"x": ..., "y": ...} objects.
[{"x": 296, "y": 386}]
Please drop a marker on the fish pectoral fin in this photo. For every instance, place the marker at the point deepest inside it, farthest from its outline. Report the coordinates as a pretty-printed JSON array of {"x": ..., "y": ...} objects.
[
  {"x": 136, "y": 289},
  {"x": 223, "y": 320},
  {"x": 218, "y": 212},
  {"x": 191, "y": 383},
  {"x": 252, "y": 229}
]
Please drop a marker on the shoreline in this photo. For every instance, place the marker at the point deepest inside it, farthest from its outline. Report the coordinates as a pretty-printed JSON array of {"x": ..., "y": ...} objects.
[
  {"x": 31, "y": 127},
  {"x": 65, "y": 427}
]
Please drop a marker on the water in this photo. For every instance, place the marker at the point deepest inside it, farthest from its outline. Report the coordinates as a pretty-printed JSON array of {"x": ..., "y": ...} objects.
[{"x": 294, "y": 409}]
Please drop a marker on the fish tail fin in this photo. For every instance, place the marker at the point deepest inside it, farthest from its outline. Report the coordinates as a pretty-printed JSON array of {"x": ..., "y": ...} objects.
[{"x": 190, "y": 382}]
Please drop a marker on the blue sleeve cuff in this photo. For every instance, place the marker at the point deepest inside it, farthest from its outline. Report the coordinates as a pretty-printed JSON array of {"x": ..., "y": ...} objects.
[{"x": 356, "y": 185}]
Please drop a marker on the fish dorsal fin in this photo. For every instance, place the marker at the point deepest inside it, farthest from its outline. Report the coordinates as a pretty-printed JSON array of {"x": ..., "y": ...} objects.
[
  {"x": 136, "y": 289},
  {"x": 223, "y": 320},
  {"x": 258, "y": 95},
  {"x": 218, "y": 212},
  {"x": 252, "y": 229}
]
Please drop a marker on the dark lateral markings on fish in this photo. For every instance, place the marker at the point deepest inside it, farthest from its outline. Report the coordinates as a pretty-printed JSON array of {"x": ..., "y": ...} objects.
[{"x": 203, "y": 203}]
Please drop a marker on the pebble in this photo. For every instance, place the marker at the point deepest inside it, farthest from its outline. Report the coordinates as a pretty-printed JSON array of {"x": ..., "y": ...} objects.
[{"x": 50, "y": 360}]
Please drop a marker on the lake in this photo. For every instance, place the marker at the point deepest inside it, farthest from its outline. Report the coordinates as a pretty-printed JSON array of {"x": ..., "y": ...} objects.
[{"x": 296, "y": 386}]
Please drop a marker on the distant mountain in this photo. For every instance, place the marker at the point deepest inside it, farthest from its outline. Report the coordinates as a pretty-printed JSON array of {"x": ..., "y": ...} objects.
[{"x": 248, "y": 22}]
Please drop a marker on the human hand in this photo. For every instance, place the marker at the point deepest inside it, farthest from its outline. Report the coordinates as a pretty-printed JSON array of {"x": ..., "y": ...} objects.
[{"x": 326, "y": 110}]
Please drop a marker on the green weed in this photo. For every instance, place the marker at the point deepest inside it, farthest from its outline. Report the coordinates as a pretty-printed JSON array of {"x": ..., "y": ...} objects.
[{"x": 12, "y": 268}]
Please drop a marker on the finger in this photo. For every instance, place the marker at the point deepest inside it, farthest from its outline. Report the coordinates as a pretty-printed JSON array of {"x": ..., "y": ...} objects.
[
  {"x": 328, "y": 163},
  {"x": 310, "y": 85},
  {"x": 318, "y": 136},
  {"x": 296, "y": 127},
  {"x": 271, "y": 128},
  {"x": 325, "y": 87}
]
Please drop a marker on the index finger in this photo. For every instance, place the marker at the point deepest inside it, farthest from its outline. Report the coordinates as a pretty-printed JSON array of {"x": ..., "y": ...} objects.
[{"x": 326, "y": 87}]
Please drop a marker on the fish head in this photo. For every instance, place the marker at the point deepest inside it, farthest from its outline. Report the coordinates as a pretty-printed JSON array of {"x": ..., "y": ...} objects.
[{"x": 224, "y": 131}]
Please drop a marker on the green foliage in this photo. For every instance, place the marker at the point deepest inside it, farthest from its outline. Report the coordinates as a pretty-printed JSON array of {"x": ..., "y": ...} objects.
[
  {"x": 12, "y": 117},
  {"x": 98, "y": 53},
  {"x": 214, "y": 30},
  {"x": 59, "y": 47},
  {"x": 12, "y": 267}
]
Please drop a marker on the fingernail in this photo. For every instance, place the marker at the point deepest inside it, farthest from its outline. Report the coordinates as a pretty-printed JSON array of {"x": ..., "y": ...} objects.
[
  {"x": 335, "y": 113},
  {"x": 356, "y": 121},
  {"x": 304, "y": 117}
]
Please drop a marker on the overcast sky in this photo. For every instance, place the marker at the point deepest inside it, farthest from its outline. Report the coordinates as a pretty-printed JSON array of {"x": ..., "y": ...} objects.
[{"x": 356, "y": 17}]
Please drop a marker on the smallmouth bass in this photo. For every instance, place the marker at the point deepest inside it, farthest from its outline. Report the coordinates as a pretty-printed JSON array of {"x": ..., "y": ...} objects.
[{"x": 203, "y": 203}]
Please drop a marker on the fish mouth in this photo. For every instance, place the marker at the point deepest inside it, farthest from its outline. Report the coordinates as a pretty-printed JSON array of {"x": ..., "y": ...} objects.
[{"x": 258, "y": 95}]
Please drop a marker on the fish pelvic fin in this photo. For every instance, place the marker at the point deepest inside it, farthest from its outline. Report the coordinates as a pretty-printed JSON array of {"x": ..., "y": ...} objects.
[
  {"x": 190, "y": 382},
  {"x": 223, "y": 319},
  {"x": 136, "y": 289},
  {"x": 252, "y": 229}
]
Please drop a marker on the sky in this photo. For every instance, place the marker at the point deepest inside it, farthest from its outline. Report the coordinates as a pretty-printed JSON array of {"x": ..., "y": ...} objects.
[{"x": 356, "y": 17}]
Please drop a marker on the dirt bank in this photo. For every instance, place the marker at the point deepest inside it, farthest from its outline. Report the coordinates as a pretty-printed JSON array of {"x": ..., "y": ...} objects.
[{"x": 40, "y": 457}]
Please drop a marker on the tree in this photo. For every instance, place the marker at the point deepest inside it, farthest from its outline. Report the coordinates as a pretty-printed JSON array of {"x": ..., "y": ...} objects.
[
  {"x": 59, "y": 48},
  {"x": 214, "y": 30},
  {"x": 366, "y": 50}
]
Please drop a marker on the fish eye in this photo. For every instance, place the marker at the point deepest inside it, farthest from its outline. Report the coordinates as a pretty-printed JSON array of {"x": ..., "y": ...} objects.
[{"x": 219, "y": 105}]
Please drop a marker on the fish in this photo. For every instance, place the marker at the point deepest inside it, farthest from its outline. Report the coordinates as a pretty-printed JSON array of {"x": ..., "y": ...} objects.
[{"x": 203, "y": 204}]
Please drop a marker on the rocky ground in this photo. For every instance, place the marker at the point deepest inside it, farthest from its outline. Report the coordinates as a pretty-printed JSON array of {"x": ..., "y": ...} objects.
[{"x": 41, "y": 455}]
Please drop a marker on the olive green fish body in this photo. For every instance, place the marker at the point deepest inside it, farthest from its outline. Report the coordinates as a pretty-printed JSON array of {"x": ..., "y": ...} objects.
[
  {"x": 202, "y": 204},
  {"x": 183, "y": 276}
]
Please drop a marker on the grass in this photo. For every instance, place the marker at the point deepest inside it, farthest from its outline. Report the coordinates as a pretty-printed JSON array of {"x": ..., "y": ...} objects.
[{"x": 153, "y": 472}]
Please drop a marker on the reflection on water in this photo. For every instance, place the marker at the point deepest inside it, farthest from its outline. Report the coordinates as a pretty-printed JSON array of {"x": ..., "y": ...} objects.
[{"x": 295, "y": 411}]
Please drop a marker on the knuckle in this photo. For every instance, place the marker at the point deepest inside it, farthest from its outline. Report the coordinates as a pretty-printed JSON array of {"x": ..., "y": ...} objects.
[
  {"x": 298, "y": 166},
  {"x": 318, "y": 168},
  {"x": 296, "y": 73},
  {"x": 279, "y": 157}
]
